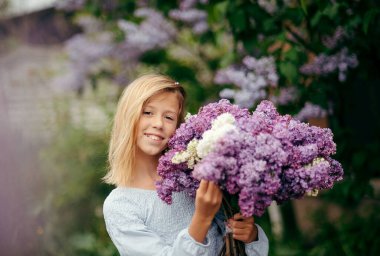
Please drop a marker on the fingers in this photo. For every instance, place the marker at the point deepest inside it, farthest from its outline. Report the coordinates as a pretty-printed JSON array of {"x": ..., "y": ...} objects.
[
  {"x": 240, "y": 217},
  {"x": 239, "y": 225},
  {"x": 243, "y": 231},
  {"x": 203, "y": 186}
]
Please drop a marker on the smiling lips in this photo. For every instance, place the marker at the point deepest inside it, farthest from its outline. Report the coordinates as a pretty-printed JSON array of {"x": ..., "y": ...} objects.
[{"x": 154, "y": 137}]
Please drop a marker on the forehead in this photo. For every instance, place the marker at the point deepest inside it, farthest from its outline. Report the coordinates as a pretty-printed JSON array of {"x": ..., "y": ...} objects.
[{"x": 166, "y": 100}]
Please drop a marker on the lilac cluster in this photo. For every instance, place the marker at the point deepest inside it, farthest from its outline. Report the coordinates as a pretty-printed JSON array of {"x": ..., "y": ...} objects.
[
  {"x": 323, "y": 64},
  {"x": 191, "y": 16},
  {"x": 177, "y": 177},
  {"x": 70, "y": 5},
  {"x": 286, "y": 95},
  {"x": 85, "y": 52},
  {"x": 270, "y": 157},
  {"x": 310, "y": 110},
  {"x": 154, "y": 32},
  {"x": 270, "y": 6},
  {"x": 332, "y": 41},
  {"x": 252, "y": 78}
]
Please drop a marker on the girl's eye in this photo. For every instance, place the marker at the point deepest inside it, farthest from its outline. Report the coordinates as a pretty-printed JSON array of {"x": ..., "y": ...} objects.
[
  {"x": 148, "y": 113},
  {"x": 170, "y": 118}
]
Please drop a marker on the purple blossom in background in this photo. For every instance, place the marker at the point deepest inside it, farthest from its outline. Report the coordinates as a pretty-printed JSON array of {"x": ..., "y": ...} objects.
[
  {"x": 188, "y": 4},
  {"x": 154, "y": 32},
  {"x": 264, "y": 67},
  {"x": 251, "y": 86},
  {"x": 252, "y": 78},
  {"x": 84, "y": 52},
  {"x": 286, "y": 95},
  {"x": 269, "y": 157},
  {"x": 89, "y": 24},
  {"x": 332, "y": 41},
  {"x": 324, "y": 65},
  {"x": 188, "y": 14},
  {"x": 270, "y": 6},
  {"x": 310, "y": 111},
  {"x": 70, "y": 5}
]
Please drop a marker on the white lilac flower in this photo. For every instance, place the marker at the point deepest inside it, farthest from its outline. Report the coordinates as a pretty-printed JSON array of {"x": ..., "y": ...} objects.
[
  {"x": 188, "y": 115},
  {"x": 189, "y": 155},
  {"x": 222, "y": 125}
]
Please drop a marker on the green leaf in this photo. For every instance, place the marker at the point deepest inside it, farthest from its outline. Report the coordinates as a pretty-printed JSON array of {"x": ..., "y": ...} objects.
[
  {"x": 238, "y": 21},
  {"x": 368, "y": 18},
  {"x": 291, "y": 55},
  {"x": 217, "y": 12},
  {"x": 331, "y": 11},
  {"x": 289, "y": 71},
  {"x": 315, "y": 20},
  {"x": 303, "y": 6}
]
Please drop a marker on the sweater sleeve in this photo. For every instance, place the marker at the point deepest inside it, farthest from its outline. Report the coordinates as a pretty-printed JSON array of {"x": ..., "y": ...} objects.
[
  {"x": 259, "y": 247},
  {"x": 132, "y": 237}
]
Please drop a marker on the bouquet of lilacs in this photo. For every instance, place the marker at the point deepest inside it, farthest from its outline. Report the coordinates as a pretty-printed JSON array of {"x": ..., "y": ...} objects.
[{"x": 255, "y": 158}]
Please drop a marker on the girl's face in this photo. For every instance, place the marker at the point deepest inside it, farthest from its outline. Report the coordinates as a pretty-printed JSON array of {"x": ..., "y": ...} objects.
[{"x": 157, "y": 123}]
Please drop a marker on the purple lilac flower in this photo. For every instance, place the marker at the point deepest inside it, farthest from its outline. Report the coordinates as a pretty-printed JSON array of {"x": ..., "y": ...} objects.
[
  {"x": 193, "y": 128},
  {"x": 270, "y": 157},
  {"x": 154, "y": 32},
  {"x": 324, "y": 65},
  {"x": 252, "y": 78},
  {"x": 188, "y": 4},
  {"x": 89, "y": 24},
  {"x": 333, "y": 40},
  {"x": 84, "y": 53},
  {"x": 269, "y": 6},
  {"x": 310, "y": 111},
  {"x": 286, "y": 95},
  {"x": 70, "y": 5},
  {"x": 191, "y": 16}
]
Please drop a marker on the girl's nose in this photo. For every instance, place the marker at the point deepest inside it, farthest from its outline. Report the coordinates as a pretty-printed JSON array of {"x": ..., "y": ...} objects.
[{"x": 157, "y": 122}]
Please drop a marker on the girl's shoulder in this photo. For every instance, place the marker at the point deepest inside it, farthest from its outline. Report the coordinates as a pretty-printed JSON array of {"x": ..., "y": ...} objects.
[{"x": 123, "y": 200}]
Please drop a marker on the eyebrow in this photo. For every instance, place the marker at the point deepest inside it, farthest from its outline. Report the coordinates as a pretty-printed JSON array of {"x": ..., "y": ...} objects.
[{"x": 167, "y": 110}]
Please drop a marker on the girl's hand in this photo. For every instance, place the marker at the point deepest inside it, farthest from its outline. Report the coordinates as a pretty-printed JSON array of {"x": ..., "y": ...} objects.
[
  {"x": 243, "y": 229},
  {"x": 207, "y": 203},
  {"x": 208, "y": 200}
]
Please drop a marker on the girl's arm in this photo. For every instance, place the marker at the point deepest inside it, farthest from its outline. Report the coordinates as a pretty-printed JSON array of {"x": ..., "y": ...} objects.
[
  {"x": 207, "y": 202},
  {"x": 132, "y": 237}
]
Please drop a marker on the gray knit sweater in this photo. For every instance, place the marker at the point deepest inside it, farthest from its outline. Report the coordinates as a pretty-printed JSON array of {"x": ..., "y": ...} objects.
[{"x": 139, "y": 223}]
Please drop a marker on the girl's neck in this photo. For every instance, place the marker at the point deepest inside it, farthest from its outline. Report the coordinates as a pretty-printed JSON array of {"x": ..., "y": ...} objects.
[{"x": 145, "y": 172}]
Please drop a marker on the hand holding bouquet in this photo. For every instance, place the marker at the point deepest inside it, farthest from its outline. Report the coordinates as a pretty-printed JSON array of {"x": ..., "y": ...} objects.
[{"x": 254, "y": 158}]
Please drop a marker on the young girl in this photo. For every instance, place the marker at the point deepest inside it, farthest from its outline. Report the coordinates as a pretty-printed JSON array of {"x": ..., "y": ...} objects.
[{"x": 137, "y": 220}]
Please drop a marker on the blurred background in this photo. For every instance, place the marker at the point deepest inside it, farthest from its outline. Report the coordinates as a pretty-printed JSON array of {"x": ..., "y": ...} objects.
[{"x": 64, "y": 63}]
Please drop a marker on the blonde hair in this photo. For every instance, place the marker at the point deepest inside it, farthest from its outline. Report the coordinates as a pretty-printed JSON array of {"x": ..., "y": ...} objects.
[{"x": 121, "y": 155}]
